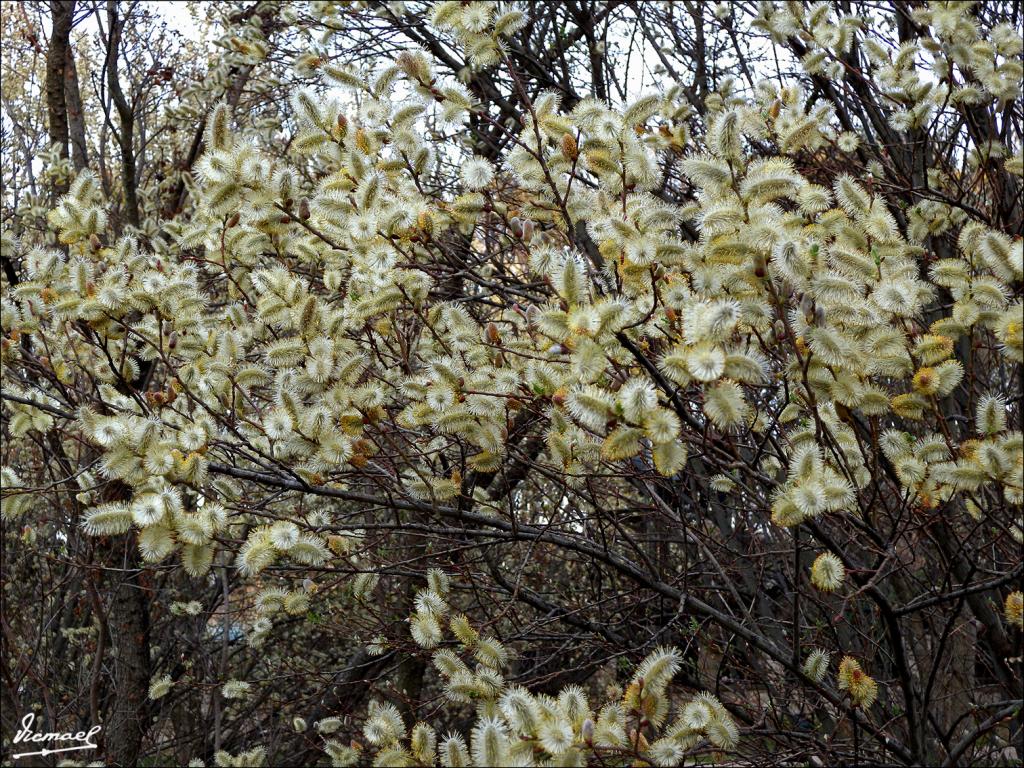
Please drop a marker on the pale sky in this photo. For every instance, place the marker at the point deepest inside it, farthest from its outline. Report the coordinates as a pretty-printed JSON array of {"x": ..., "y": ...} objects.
[
  {"x": 178, "y": 16},
  {"x": 175, "y": 12}
]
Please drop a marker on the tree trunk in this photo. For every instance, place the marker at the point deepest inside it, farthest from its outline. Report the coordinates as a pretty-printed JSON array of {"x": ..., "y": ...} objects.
[
  {"x": 76, "y": 117},
  {"x": 126, "y": 137},
  {"x": 128, "y": 719},
  {"x": 61, "y": 12}
]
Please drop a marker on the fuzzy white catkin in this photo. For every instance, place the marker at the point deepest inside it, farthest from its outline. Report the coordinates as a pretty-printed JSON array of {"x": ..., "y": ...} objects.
[{"x": 477, "y": 173}]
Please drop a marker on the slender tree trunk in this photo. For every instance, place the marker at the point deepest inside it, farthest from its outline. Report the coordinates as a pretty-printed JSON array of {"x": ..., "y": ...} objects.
[
  {"x": 61, "y": 12},
  {"x": 128, "y": 719},
  {"x": 126, "y": 117},
  {"x": 76, "y": 117}
]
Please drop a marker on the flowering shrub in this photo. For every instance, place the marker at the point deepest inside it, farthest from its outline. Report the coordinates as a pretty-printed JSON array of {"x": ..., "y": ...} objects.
[{"x": 658, "y": 361}]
